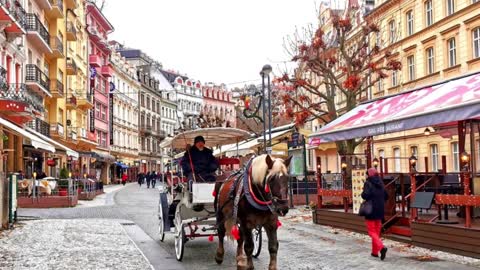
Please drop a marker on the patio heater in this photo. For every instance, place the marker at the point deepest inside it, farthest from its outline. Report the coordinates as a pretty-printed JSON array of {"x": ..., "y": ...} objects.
[{"x": 375, "y": 163}]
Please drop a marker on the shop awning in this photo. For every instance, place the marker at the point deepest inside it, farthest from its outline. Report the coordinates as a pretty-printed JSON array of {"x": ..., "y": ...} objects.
[
  {"x": 103, "y": 157},
  {"x": 69, "y": 151},
  {"x": 246, "y": 147},
  {"x": 35, "y": 140},
  {"x": 452, "y": 100}
]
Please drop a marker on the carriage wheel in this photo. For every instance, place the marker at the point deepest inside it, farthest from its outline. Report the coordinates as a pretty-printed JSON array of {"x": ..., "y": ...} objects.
[
  {"x": 180, "y": 238},
  {"x": 257, "y": 241},
  {"x": 162, "y": 215},
  {"x": 161, "y": 222}
]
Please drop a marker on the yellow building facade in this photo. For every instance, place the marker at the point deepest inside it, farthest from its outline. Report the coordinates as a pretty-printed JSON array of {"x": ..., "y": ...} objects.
[{"x": 435, "y": 41}]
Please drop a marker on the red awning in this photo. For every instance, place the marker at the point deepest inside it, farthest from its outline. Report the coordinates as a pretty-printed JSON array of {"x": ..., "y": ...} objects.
[{"x": 453, "y": 100}]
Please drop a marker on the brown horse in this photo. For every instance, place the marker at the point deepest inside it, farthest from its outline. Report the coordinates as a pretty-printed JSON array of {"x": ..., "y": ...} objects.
[{"x": 263, "y": 196}]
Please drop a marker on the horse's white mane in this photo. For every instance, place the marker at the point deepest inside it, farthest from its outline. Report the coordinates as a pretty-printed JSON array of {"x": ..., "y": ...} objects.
[{"x": 260, "y": 168}]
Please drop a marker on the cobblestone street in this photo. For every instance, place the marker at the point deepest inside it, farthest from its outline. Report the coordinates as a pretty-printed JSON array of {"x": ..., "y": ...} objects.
[{"x": 303, "y": 245}]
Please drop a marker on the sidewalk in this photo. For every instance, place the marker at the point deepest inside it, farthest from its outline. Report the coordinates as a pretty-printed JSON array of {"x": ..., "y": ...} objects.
[
  {"x": 70, "y": 244},
  {"x": 103, "y": 199}
]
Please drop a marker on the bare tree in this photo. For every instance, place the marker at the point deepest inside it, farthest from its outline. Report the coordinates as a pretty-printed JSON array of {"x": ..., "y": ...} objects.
[{"x": 335, "y": 72}]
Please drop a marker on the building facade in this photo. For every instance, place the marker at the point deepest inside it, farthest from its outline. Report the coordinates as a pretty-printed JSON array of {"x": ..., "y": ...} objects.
[
  {"x": 435, "y": 41},
  {"x": 218, "y": 106},
  {"x": 150, "y": 128},
  {"x": 189, "y": 99},
  {"x": 125, "y": 116},
  {"x": 98, "y": 28}
]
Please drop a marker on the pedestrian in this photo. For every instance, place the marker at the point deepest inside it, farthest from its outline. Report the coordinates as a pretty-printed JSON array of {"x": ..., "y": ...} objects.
[
  {"x": 148, "y": 178},
  {"x": 154, "y": 179},
  {"x": 140, "y": 179},
  {"x": 374, "y": 192},
  {"x": 124, "y": 178}
]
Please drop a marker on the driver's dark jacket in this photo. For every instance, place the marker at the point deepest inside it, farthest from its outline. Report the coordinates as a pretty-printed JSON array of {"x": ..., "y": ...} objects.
[{"x": 204, "y": 163}]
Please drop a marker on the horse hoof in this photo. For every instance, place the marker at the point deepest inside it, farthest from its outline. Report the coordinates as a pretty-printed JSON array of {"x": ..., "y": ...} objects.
[{"x": 218, "y": 259}]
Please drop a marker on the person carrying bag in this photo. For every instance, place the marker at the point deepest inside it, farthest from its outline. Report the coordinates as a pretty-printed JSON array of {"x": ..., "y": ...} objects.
[{"x": 373, "y": 209}]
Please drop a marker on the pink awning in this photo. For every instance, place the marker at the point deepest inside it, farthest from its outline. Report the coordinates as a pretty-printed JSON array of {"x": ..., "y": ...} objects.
[{"x": 453, "y": 100}]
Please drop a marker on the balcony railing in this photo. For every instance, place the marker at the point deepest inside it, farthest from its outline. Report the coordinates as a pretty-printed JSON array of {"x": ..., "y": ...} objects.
[
  {"x": 57, "y": 3},
  {"x": 83, "y": 133},
  {"x": 34, "y": 24},
  {"x": 72, "y": 135},
  {"x": 71, "y": 32},
  {"x": 71, "y": 66},
  {"x": 34, "y": 74},
  {"x": 57, "y": 129},
  {"x": 56, "y": 44},
  {"x": 16, "y": 11},
  {"x": 59, "y": 87},
  {"x": 40, "y": 126},
  {"x": 20, "y": 92}
]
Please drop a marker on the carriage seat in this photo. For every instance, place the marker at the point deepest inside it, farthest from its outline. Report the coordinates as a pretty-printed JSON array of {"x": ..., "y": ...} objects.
[{"x": 226, "y": 168}]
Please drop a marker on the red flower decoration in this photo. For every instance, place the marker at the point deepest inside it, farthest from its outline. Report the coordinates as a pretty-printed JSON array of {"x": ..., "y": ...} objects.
[{"x": 352, "y": 82}]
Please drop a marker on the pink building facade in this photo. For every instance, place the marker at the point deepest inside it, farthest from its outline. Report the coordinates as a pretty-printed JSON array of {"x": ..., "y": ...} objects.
[
  {"x": 100, "y": 71},
  {"x": 218, "y": 103}
]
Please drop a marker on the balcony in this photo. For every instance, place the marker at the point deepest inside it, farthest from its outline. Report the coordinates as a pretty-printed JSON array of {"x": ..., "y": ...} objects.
[
  {"x": 107, "y": 71},
  {"x": 94, "y": 60},
  {"x": 72, "y": 68},
  {"x": 40, "y": 126},
  {"x": 146, "y": 130},
  {"x": 161, "y": 134},
  {"x": 72, "y": 135},
  {"x": 85, "y": 102},
  {"x": 37, "y": 80},
  {"x": 57, "y": 130},
  {"x": 17, "y": 100},
  {"x": 38, "y": 34},
  {"x": 71, "y": 4},
  {"x": 71, "y": 102},
  {"x": 57, "y": 88},
  {"x": 71, "y": 32},
  {"x": 12, "y": 15},
  {"x": 57, "y": 9},
  {"x": 44, "y": 4},
  {"x": 86, "y": 140},
  {"x": 57, "y": 48}
]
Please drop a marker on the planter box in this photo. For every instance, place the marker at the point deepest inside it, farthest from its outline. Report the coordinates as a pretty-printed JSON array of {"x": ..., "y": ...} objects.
[{"x": 47, "y": 202}]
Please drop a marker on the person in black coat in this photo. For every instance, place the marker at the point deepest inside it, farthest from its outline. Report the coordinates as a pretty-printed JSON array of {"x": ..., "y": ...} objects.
[
  {"x": 204, "y": 163},
  {"x": 148, "y": 178},
  {"x": 140, "y": 179},
  {"x": 374, "y": 192}
]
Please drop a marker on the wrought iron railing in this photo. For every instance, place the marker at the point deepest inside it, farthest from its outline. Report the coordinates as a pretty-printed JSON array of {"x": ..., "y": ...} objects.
[
  {"x": 71, "y": 28},
  {"x": 40, "y": 126},
  {"x": 56, "y": 44},
  {"x": 16, "y": 11},
  {"x": 57, "y": 128},
  {"x": 34, "y": 74},
  {"x": 59, "y": 87},
  {"x": 34, "y": 24},
  {"x": 57, "y": 3},
  {"x": 20, "y": 92},
  {"x": 71, "y": 64}
]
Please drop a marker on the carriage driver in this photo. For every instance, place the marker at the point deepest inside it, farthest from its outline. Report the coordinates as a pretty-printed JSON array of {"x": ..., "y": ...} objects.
[{"x": 204, "y": 163}]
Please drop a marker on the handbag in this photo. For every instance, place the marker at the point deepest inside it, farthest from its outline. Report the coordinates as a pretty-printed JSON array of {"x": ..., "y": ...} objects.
[{"x": 366, "y": 208}]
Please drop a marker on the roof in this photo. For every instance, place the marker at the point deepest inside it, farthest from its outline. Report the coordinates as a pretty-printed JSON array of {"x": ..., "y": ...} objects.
[
  {"x": 171, "y": 76},
  {"x": 164, "y": 84},
  {"x": 130, "y": 53},
  {"x": 452, "y": 100}
]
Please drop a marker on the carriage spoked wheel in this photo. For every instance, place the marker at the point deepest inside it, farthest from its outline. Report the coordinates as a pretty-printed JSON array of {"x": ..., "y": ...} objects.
[
  {"x": 180, "y": 237},
  {"x": 162, "y": 215},
  {"x": 257, "y": 241},
  {"x": 161, "y": 223}
]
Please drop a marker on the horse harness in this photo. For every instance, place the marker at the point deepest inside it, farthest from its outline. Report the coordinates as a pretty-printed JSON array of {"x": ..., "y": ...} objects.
[{"x": 242, "y": 187}]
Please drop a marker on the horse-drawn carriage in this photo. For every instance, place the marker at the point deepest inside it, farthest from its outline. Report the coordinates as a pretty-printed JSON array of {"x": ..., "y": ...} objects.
[
  {"x": 186, "y": 206},
  {"x": 241, "y": 203}
]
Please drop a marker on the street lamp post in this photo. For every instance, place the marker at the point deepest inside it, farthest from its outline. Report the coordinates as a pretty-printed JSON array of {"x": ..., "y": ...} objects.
[{"x": 266, "y": 70}]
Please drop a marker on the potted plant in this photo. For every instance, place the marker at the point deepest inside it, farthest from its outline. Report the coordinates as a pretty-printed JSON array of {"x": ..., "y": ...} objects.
[{"x": 62, "y": 187}]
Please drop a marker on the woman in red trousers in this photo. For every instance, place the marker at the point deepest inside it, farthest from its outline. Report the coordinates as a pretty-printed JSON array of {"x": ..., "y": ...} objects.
[
  {"x": 124, "y": 178},
  {"x": 374, "y": 191}
]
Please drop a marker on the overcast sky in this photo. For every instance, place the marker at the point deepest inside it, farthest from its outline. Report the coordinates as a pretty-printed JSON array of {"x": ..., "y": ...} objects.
[{"x": 221, "y": 41}]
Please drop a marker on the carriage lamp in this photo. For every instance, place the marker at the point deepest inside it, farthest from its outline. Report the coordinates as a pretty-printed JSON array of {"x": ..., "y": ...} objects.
[
  {"x": 427, "y": 131},
  {"x": 375, "y": 162}
]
